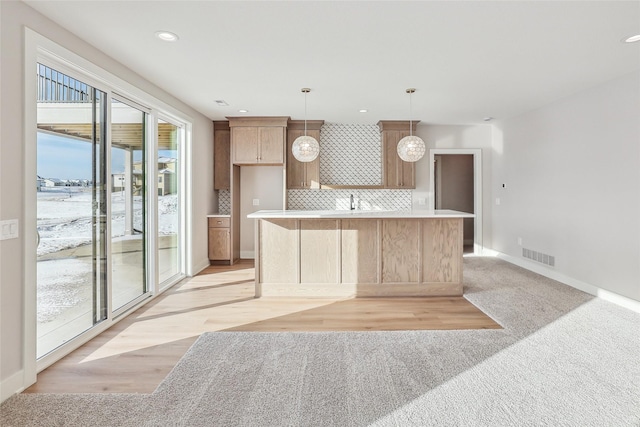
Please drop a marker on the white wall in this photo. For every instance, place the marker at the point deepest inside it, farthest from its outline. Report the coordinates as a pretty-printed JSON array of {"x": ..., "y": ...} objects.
[
  {"x": 264, "y": 183},
  {"x": 14, "y": 16},
  {"x": 572, "y": 175},
  {"x": 457, "y": 136}
]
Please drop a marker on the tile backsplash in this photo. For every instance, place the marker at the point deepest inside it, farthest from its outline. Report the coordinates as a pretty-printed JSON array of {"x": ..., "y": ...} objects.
[
  {"x": 385, "y": 200},
  {"x": 350, "y": 154},
  {"x": 224, "y": 202}
]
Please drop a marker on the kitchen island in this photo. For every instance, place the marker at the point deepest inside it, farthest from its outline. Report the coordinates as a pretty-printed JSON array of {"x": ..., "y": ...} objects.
[{"x": 358, "y": 253}]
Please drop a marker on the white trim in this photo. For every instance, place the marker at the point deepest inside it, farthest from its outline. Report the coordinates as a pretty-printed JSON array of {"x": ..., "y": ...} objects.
[
  {"x": 152, "y": 203},
  {"x": 604, "y": 294},
  {"x": 247, "y": 254},
  {"x": 200, "y": 267},
  {"x": 12, "y": 385},
  {"x": 30, "y": 307},
  {"x": 477, "y": 188}
]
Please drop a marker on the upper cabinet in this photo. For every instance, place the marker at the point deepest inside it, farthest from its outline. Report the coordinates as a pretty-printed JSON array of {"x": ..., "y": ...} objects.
[
  {"x": 221, "y": 155},
  {"x": 396, "y": 173},
  {"x": 258, "y": 140},
  {"x": 302, "y": 174}
]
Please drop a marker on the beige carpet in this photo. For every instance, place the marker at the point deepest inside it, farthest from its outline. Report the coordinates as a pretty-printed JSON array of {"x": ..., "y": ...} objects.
[{"x": 562, "y": 359}]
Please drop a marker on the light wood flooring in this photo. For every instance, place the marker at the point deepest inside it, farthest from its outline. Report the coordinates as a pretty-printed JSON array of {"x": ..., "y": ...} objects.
[{"x": 137, "y": 353}]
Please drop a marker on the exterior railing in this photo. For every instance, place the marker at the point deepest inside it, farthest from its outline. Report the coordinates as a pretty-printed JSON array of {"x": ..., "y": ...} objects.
[{"x": 57, "y": 87}]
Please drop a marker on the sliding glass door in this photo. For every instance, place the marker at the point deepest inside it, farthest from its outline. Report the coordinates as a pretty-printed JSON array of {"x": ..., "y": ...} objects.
[
  {"x": 109, "y": 207},
  {"x": 71, "y": 209},
  {"x": 128, "y": 203},
  {"x": 169, "y": 201}
]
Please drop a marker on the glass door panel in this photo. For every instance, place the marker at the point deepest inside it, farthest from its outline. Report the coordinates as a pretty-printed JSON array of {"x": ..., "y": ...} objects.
[
  {"x": 169, "y": 201},
  {"x": 128, "y": 204},
  {"x": 71, "y": 208}
]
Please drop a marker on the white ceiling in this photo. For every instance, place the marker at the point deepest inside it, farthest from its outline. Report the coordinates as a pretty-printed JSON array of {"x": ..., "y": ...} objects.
[{"x": 468, "y": 60}]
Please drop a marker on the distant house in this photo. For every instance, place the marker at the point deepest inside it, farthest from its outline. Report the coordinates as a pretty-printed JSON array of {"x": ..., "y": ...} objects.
[
  {"x": 167, "y": 182},
  {"x": 117, "y": 182}
]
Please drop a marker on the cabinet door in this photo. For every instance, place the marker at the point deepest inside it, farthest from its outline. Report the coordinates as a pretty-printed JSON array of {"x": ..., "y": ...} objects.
[
  {"x": 408, "y": 174},
  {"x": 219, "y": 244},
  {"x": 221, "y": 159},
  {"x": 244, "y": 145},
  {"x": 397, "y": 173},
  {"x": 391, "y": 159},
  {"x": 295, "y": 169},
  {"x": 271, "y": 145}
]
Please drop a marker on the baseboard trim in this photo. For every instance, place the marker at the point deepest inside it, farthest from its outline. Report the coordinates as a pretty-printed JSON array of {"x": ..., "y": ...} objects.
[
  {"x": 197, "y": 269},
  {"x": 12, "y": 385},
  {"x": 606, "y": 295}
]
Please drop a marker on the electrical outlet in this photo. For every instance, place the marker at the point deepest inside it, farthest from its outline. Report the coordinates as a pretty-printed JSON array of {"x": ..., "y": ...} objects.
[
  {"x": 519, "y": 241},
  {"x": 422, "y": 201},
  {"x": 497, "y": 200}
]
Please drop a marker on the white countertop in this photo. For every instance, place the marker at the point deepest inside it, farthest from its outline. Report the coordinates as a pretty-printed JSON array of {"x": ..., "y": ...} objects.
[
  {"x": 359, "y": 214},
  {"x": 218, "y": 216}
]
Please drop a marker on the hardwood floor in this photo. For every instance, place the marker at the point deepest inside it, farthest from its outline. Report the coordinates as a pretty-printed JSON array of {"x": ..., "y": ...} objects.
[{"x": 137, "y": 353}]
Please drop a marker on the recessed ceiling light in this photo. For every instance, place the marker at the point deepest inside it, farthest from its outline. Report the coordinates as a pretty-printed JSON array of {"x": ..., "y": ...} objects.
[
  {"x": 364, "y": 110},
  {"x": 167, "y": 36},
  {"x": 221, "y": 102},
  {"x": 632, "y": 39},
  {"x": 243, "y": 111}
]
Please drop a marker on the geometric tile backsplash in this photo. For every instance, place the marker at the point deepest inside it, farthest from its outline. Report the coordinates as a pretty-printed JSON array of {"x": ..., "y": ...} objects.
[
  {"x": 327, "y": 199},
  {"x": 350, "y": 154},
  {"x": 224, "y": 202}
]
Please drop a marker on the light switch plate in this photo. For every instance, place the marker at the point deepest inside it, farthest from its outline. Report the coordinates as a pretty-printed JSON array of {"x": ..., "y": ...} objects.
[
  {"x": 9, "y": 229},
  {"x": 256, "y": 202}
]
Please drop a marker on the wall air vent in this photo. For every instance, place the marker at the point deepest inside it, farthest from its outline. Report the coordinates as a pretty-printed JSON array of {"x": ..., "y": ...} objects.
[{"x": 549, "y": 260}]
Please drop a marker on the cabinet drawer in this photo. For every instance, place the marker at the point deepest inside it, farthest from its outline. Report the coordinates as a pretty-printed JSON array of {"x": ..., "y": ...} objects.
[{"x": 219, "y": 222}]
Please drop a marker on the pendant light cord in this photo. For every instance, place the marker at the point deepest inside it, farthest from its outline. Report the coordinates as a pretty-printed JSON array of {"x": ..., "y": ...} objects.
[
  {"x": 305, "y": 114},
  {"x": 410, "y": 114}
]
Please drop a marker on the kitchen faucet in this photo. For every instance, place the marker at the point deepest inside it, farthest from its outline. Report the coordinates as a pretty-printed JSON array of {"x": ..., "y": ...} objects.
[{"x": 352, "y": 203}]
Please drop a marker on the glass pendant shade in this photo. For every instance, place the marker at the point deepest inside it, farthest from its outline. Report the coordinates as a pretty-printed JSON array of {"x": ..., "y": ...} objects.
[
  {"x": 305, "y": 148},
  {"x": 411, "y": 148}
]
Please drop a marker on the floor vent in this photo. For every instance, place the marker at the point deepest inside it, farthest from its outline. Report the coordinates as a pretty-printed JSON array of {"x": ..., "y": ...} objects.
[{"x": 539, "y": 257}]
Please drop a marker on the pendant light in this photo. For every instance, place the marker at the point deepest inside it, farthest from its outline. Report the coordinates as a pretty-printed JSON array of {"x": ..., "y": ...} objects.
[
  {"x": 305, "y": 148},
  {"x": 411, "y": 148}
]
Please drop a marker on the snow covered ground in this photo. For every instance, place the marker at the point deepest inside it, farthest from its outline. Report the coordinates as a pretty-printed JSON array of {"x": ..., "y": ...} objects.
[
  {"x": 65, "y": 217},
  {"x": 65, "y": 278}
]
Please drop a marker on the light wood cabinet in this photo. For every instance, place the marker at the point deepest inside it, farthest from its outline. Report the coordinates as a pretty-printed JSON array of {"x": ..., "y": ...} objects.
[
  {"x": 359, "y": 257},
  {"x": 221, "y": 155},
  {"x": 219, "y": 239},
  {"x": 258, "y": 140},
  {"x": 396, "y": 173},
  {"x": 301, "y": 175}
]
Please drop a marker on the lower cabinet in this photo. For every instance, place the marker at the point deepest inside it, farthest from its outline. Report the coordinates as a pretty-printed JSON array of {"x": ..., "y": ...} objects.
[{"x": 219, "y": 239}]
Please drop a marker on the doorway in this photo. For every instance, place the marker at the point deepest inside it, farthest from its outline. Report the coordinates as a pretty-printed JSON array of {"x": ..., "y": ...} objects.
[{"x": 456, "y": 183}]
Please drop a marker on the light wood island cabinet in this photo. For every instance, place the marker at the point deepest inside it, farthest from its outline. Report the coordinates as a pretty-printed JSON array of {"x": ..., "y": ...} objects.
[
  {"x": 302, "y": 175},
  {"x": 361, "y": 254},
  {"x": 258, "y": 140},
  {"x": 396, "y": 173}
]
